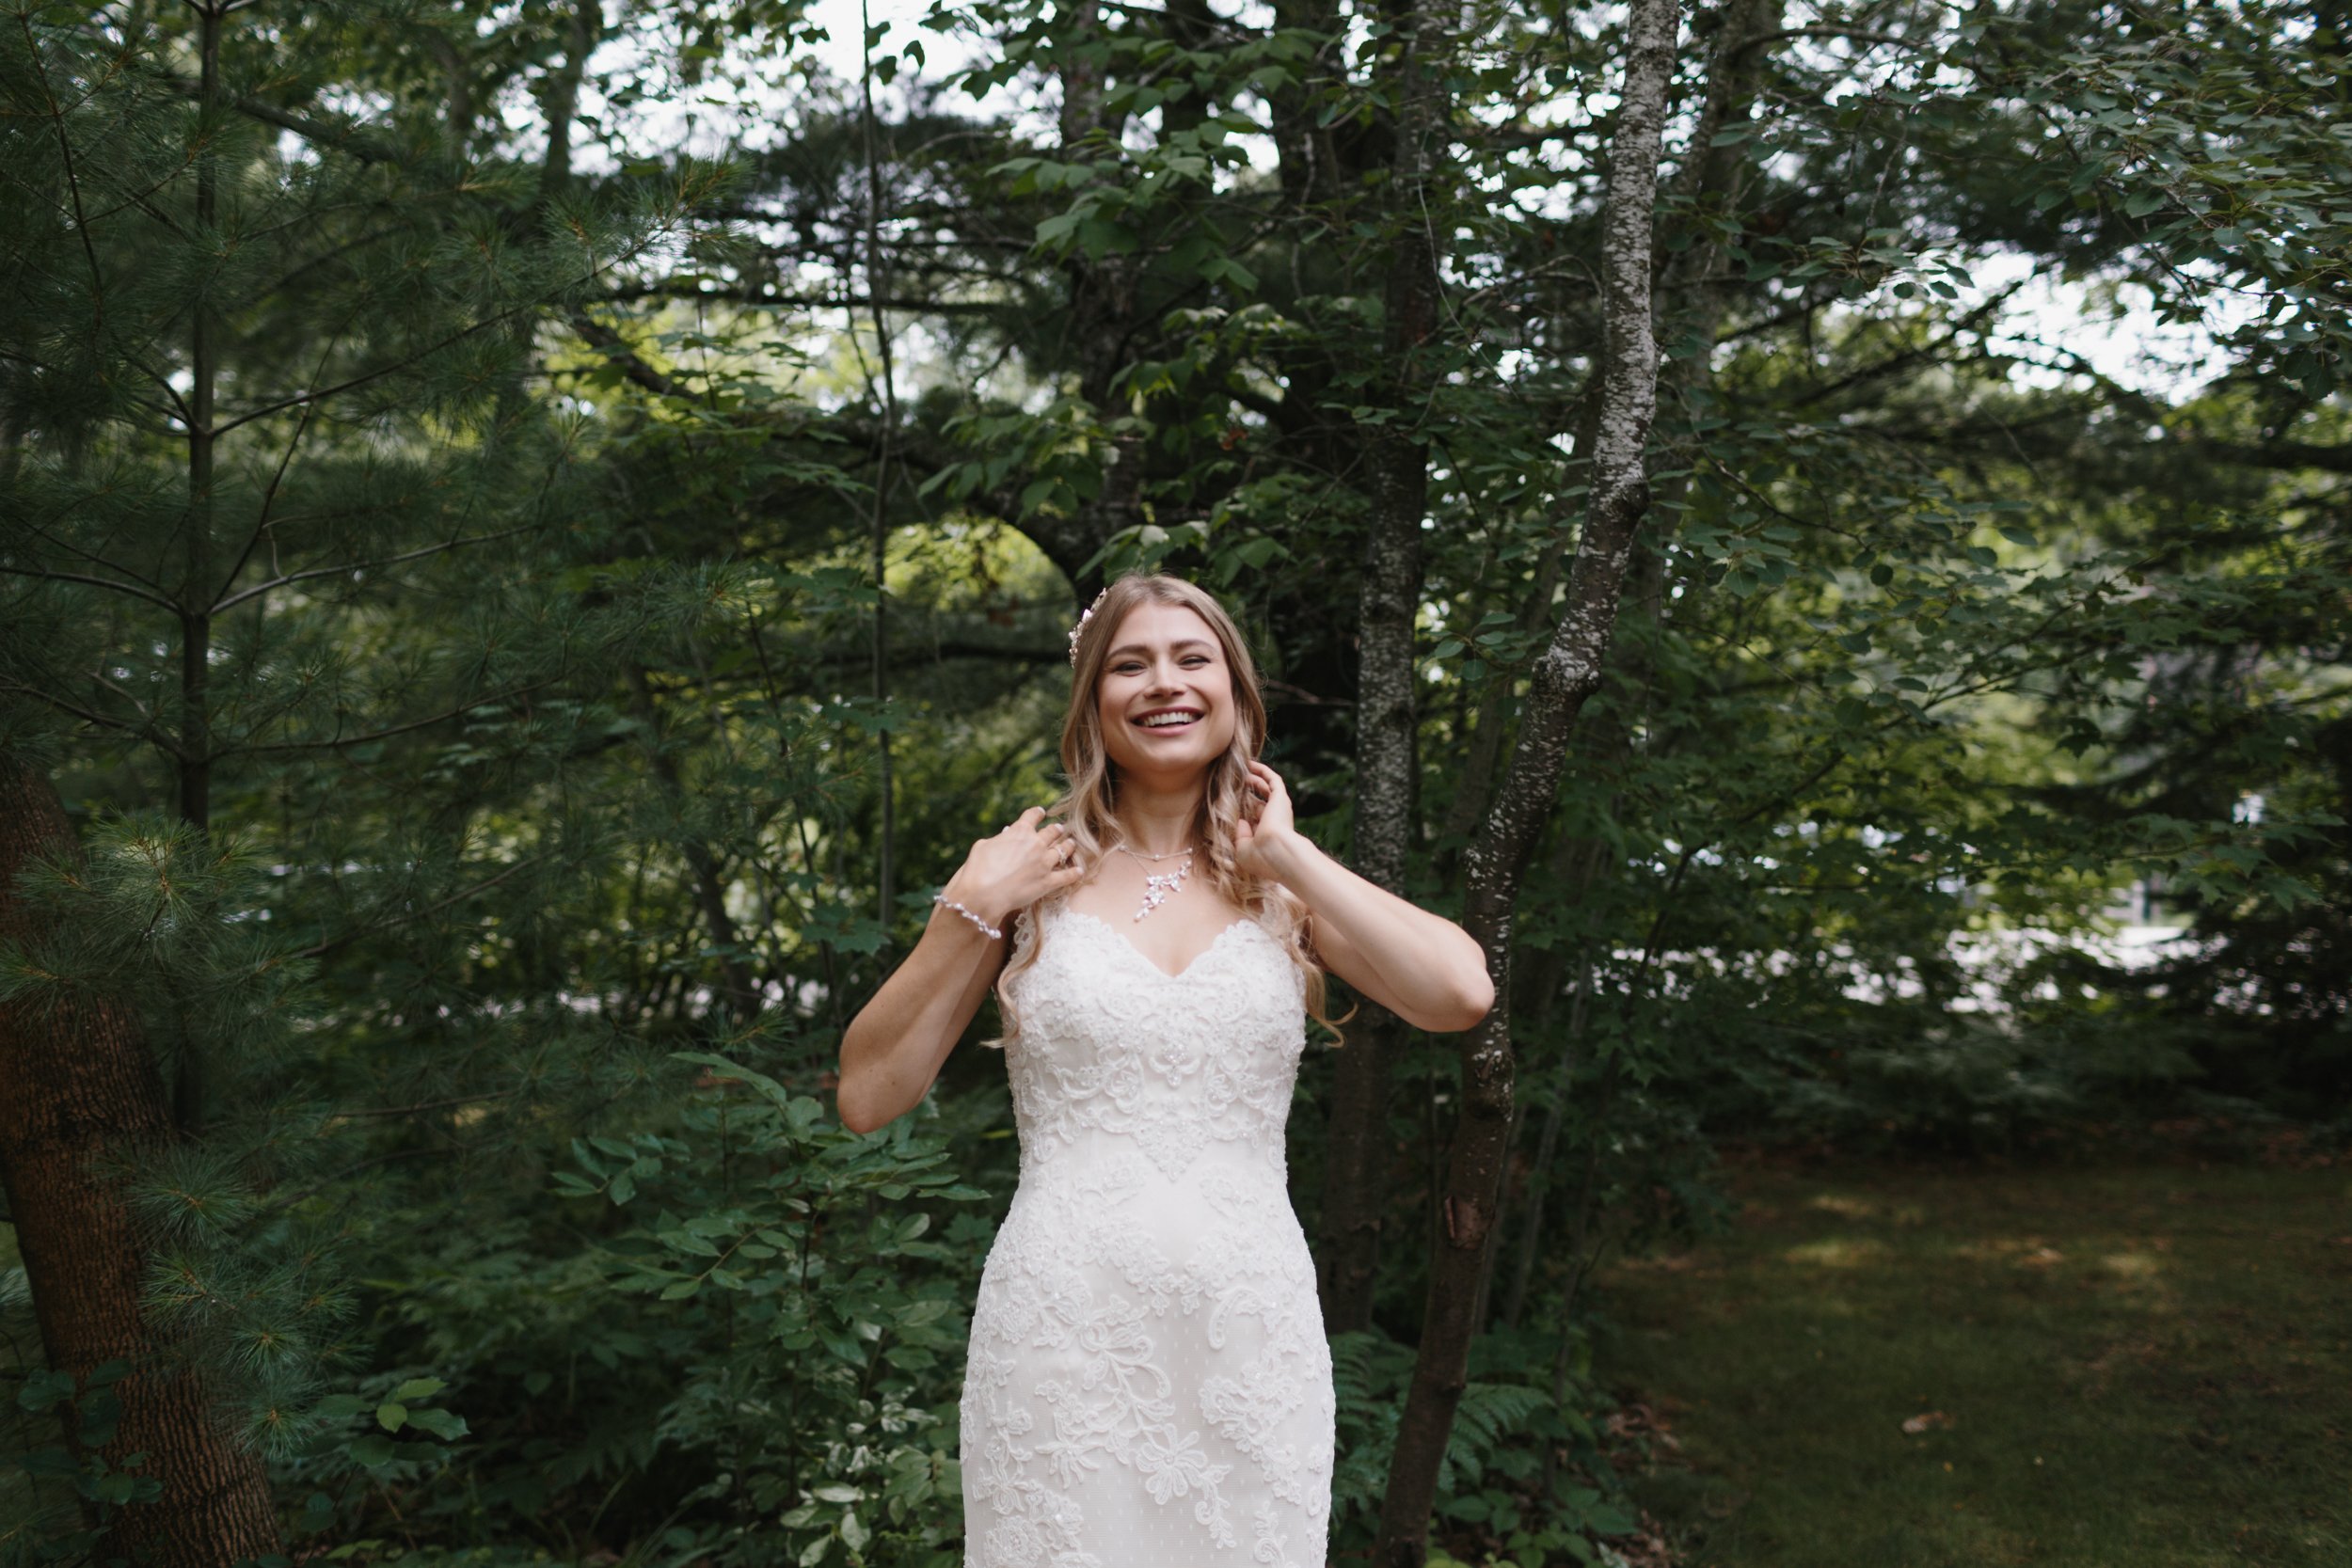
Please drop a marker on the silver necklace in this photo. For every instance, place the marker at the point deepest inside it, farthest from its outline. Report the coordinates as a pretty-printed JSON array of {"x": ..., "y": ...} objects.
[{"x": 1158, "y": 885}]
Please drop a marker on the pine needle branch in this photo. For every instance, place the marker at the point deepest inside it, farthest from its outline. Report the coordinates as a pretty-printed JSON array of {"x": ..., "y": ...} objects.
[
  {"x": 269, "y": 496},
  {"x": 350, "y": 139},
  {"x": 445, "y": 546},
  {"x": 95, "y": 560},
  {"x": 427, "y": 1104},
  {"x": 145, "y": 731},
  {"x": 331, "y": 943},
  {"x": 72, "y": 177},
  {"x": 45, "y": 574},
  {"x": 280, "y": 1205},
  {"x": 320, "y": 395},
  {"x": 336, "y": 742}
]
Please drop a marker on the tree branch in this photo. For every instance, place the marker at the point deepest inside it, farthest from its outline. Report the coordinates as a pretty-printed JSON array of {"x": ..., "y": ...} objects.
[
  {"x": 144, "y": 731},
  {"x": 46, "y": 574},
  {"x": 373, "y": 925},
  {"x": 447, "y": 544},
  {"x": 335, "y": 742},
  {"x": 353, "y": 139}
]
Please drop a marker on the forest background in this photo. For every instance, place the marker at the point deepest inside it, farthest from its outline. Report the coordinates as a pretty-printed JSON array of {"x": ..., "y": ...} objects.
[{"x": 536, "y": 533}]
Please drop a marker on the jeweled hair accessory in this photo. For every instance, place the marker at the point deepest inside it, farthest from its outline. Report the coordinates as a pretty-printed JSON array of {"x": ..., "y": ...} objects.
[{"x": 1082, "y": 625}]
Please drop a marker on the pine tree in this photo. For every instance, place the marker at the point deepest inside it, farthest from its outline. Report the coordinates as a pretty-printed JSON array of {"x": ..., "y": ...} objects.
[
  {"x": 266, "y": 409},
  {"x": 82, "y": 1110}
]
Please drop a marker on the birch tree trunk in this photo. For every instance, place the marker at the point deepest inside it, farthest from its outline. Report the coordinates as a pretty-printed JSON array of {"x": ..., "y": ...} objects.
[
  {"x": 1711, "y": 180},
  {"x": 1565, "y": 676},
  {"x": 79, "y": 1093}
]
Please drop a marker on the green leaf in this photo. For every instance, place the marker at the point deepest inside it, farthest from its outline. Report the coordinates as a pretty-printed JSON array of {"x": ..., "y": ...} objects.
[
  {"x": 1225, "y": 269},
  {"x": 441, "y": 1423},
  {"x": 42, "y": 1389}
]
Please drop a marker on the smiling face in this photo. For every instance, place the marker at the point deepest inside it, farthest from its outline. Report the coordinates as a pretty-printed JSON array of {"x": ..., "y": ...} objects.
[{"x": 1166, "y": 694}]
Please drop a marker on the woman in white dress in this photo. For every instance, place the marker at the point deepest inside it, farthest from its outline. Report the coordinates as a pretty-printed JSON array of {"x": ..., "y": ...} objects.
[{"x": 1147, "y": 1384}]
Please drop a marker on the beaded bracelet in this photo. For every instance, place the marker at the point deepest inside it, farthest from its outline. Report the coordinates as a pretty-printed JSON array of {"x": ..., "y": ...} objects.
[{"x": 992, "y": 931}]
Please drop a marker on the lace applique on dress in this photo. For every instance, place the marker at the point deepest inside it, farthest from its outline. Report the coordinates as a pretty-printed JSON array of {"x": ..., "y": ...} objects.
[{"x": 1149, "y": 1384}]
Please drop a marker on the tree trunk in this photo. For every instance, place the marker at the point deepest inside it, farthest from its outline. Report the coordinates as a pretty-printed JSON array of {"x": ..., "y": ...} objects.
[
  {"x": 1565, "y": 677},
  {"x": 1354, "y": 1203},
  {"x": 878, "y": 290},
  {"x": 1712, "y": 177},
  {"x": 1483, "y": 754},
  {"x": 193, "y": 756},
  {"x": 80, "y": 1093}
]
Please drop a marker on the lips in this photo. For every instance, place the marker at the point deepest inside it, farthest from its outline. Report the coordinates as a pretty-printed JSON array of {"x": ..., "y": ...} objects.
[{"x": 1166, "y": 719}]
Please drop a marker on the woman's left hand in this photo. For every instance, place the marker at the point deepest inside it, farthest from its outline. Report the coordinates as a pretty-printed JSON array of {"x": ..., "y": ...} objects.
[{"x": 1260, "y": 833}]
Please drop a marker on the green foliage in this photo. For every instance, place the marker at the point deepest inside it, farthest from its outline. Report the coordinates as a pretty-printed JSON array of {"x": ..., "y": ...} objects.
[
  {"x": 50, "y": 1528},
  {"x": 490, "y": 748},
  {"x": 1527, "y": 1403},
  {"x": 804, "y": 1261}
]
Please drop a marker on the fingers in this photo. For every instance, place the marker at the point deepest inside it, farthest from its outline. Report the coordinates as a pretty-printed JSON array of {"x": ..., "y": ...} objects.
[{"x": 1034, "y": 820}]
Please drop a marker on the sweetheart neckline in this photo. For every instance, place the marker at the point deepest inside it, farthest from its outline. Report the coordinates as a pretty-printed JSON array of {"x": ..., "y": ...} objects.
[{"x": 1115, "y": 934}]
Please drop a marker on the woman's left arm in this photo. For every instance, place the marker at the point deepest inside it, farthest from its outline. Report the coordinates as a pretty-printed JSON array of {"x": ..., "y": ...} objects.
[{"x": 1422, "y": 967}]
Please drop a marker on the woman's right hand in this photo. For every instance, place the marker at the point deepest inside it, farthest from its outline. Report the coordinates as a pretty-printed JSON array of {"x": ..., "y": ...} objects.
[{"x": 1015, "y": 868}]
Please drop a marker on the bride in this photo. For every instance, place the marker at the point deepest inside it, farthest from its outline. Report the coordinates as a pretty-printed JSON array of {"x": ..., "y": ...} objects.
[{"x": 1147, "y": 1384}]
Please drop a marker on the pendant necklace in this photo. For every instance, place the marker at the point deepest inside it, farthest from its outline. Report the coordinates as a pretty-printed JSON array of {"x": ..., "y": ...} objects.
[{"x": 1158, "y": 885}]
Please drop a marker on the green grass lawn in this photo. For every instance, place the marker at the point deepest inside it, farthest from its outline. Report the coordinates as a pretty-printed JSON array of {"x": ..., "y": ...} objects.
[{"x": 2144, "y": 1368}]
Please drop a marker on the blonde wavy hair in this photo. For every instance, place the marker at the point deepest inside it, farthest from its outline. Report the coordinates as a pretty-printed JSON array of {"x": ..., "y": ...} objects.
[{"x": 1089, "y": 807}]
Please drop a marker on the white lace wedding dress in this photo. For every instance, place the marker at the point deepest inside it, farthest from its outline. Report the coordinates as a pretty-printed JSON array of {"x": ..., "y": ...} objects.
[{"x": 1149, "y": 1384}]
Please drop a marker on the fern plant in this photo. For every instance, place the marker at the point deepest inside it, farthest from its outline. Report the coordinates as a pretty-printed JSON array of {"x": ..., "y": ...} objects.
[{"x": 1491, "y": 1479}]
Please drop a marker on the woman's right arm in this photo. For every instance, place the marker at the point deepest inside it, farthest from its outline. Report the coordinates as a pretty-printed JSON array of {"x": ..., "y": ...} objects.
[{"x": 895, "y": 1047}]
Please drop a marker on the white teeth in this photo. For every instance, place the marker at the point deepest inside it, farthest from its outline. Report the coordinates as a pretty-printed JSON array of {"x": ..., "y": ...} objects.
[{"x": 1167, "y": 720}]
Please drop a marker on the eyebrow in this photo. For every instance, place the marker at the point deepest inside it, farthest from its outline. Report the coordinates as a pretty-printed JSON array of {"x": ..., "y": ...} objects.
[{"x": 1140, "y": 648}]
